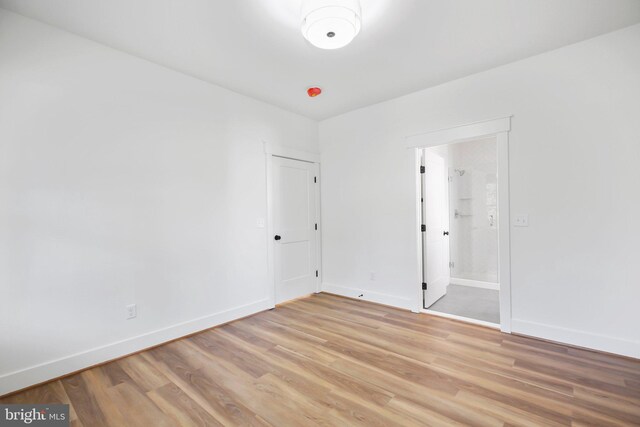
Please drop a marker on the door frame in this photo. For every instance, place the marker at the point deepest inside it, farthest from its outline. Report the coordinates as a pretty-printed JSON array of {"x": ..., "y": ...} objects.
[
  {"x": 271, "y": 151},
  {"x": 499, "y": 128}
]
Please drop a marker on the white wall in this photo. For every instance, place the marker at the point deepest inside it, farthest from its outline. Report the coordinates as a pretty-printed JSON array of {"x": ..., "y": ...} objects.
[
  {"x": 473, "y": 237},
  {"x": 574, "y": 168},
  {"x": 122, "y": 182}
]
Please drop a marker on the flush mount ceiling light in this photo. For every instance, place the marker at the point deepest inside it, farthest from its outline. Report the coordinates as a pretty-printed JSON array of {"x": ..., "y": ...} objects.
[{"x": 330, "y": 24}]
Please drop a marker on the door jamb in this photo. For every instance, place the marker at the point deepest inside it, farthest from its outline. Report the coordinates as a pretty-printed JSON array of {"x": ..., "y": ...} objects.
[
  {"x": 499, "y": 128},
  {"x": 273, "y": 150}
]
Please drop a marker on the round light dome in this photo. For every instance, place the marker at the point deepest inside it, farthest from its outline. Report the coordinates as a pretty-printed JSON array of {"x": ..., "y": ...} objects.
[{"x": 330, "y": 24}]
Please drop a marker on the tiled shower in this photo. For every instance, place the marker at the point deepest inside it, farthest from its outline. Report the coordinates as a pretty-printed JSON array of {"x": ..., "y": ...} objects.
[{"x": 473, "y": 213}]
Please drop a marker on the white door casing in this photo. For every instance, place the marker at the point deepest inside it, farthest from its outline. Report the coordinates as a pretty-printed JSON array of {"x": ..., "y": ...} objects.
[
  {"x": 500, "y": 128},
  {"x": 294, "y": 226},
  {"x": 435, "y": 214}
]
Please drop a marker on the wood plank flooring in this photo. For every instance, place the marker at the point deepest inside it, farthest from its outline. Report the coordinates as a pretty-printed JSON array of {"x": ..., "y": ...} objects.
[{"x": 327, "y": 360}]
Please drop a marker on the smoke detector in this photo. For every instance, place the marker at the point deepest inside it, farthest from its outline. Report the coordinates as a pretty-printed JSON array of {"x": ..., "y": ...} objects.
[
  {"x": 314, "y": 91},
  {"x": 330, "y": 24}
]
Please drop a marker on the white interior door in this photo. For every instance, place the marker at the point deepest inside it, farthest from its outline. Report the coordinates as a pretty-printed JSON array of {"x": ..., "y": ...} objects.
[
  {"x": 436, "y": 217},
  {"x": 294, "y": 225}
]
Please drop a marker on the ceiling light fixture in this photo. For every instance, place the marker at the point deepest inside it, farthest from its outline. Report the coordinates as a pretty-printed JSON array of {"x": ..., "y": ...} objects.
[{"x": 330, "y": 24}]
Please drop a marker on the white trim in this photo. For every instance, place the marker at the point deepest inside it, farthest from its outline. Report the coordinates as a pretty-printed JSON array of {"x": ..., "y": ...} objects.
[
  {"x": 319, "y": 231},
  {"x": 499, "y": 128},
  {"x": 578, "y": 338},
  {"x": 291, "y": 153},
  {"x": 356, "y": 293},
  {"x": 56, "y": 368},
  {"x": 271, "y": 273},
  {"x": 461, "y": 318},
  {"x": 504, "y": 230},
  {"x": 459, "y": 133},
  {"x": 474, "y": 283}
]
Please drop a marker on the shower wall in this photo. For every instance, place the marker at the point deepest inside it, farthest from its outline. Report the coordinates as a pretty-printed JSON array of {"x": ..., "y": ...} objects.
[{"x": 473, "y": 213}]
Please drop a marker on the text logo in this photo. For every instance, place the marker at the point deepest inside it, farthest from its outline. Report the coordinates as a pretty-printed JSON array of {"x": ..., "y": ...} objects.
[{"x": 34, "y": 415}]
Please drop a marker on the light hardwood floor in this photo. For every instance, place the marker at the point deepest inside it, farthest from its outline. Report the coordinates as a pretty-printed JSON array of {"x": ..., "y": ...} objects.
[{"x": 332, "y": 361}]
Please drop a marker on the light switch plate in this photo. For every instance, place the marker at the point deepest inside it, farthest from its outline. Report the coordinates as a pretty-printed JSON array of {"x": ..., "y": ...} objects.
[
  {"x": 132, "y": 311},
  {"x": 521, "y": 221}
]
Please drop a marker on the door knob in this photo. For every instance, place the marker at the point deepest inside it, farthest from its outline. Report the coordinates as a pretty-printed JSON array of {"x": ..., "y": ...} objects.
[
  {"x": 277, "y": 237},
  {"x": 445, "y": 233}
]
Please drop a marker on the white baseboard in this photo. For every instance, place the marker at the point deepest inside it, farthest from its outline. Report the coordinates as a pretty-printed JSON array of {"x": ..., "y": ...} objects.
[
  {"x": 578, "y": 338},
  {"x": 380, "y": 298},
  {"x": 474, "y": 283},
  {"x": 75, "y": 362}
]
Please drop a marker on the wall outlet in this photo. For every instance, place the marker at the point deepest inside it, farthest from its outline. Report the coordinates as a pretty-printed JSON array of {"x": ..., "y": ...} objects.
[
  {"x": 372, "y": 275},
  {"x": 260, "y": 223},
  {"x": 521, "y": 221},
  {"x": 132, "y": 311}
]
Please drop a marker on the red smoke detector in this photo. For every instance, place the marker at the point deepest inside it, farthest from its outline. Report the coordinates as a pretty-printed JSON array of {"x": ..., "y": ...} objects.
[{"x": 314, "y": 91}]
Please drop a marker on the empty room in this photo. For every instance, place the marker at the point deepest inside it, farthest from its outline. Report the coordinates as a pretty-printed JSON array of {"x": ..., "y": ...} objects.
[{"x": 319, "y": 212}]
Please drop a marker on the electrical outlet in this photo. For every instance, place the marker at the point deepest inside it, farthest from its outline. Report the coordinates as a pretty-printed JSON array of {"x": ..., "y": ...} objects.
[
  {"x": 372, "y": 275},
  {"x": 260, "y": 223},
  {"x": 521, "y": 221},
  {"x": 131, "y": 311}
]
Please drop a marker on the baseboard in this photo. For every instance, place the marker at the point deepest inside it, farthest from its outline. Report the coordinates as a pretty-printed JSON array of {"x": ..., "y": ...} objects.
[
  {"x": 27, "y": 377},
  {"x": 577, "y": 338},
  {"x": 363, "y": 294},
  {"x": 474, "y": 283}
]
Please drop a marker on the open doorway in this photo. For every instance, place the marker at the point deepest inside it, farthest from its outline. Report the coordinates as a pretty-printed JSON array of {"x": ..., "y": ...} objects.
[
  {"x": 462, "y": 216},
  {"x": 460, "y": 238}
]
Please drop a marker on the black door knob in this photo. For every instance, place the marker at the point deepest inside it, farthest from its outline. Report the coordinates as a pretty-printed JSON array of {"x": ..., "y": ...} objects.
[
  {"x": 445, "y": 233},
  {"x": 277, "y": 237}
]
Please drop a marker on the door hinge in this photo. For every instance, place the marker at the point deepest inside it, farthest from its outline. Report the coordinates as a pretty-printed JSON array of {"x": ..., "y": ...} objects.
[
  {"x": 423, "y": 228},
  {"x": 451, "y": 264},
  {"x": 316, "y": 226},
  {"x": 316, "y": 273},
  {"x": 315, "y": 179},
  {"x": 423, "y": 169},
  {"x": 424, "y": 286}
]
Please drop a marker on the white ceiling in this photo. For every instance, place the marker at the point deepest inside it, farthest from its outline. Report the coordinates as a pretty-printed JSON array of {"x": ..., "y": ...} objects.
[{"x": 255, "y": 46}]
